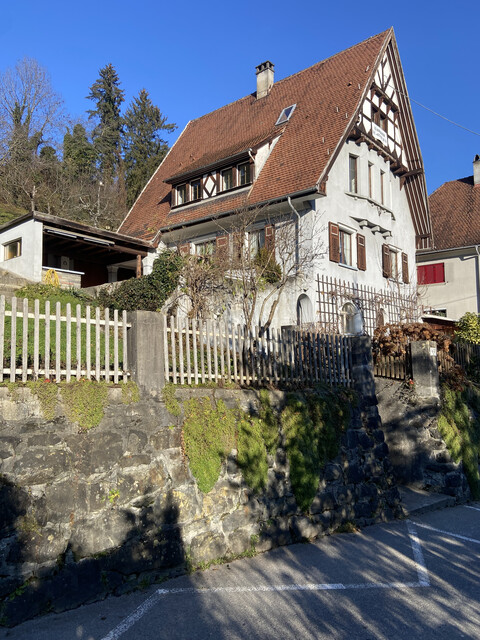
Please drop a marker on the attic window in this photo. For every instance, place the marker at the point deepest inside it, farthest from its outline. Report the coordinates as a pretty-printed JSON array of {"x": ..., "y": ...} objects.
[{"x": 286, "y": 114}]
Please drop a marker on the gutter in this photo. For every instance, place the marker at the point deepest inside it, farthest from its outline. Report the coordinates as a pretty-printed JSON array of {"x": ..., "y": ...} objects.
[{"x": 296, "y": 194}]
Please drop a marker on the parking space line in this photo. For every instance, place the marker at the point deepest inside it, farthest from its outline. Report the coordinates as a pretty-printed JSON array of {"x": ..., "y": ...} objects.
[
  {"x": 422, "y": 572},
  {"x": 423, "y": 581},
  {"x": 447, "y": 533},
  {"x": 468, "y": 506}
]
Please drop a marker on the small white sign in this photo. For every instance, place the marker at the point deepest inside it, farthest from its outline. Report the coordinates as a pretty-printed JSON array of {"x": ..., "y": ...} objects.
[
  {"x": 433, "y": 351},
  {"x": 379, "y": 133}
]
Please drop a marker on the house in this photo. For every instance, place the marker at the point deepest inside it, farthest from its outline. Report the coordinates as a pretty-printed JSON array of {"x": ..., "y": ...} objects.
[
  {"x": 82, "y": 256},
  {"x": 449, "y": 271},
  {"x": 332, "y": 149}
]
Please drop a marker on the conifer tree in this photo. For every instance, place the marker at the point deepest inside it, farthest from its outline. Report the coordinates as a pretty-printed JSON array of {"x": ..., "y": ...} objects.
[
  {"x": 108, "y": 97},
  {"x": 78, "y": 153},
  {"x": 144, "y": 145}
]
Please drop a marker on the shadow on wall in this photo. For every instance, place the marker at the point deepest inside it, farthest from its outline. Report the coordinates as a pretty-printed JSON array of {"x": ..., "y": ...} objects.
[{"x": 151, "y": 547}]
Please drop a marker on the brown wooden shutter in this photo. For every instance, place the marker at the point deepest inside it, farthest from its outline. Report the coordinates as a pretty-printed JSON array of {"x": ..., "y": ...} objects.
[
  {"x": 221, "y": 247},
  {"x": 386, "y": 261},
  {"x": 184, "y": 249},
  {"x": 270, "y": 238},
  {"x": 361, "y": 253},
  {"x": 405, "y": 273},
  {"x": 334, "y": 242}
]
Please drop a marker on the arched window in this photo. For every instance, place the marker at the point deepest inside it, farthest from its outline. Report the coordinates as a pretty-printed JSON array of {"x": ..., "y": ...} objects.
[
  {"x": 304, "y": 310},
  {"x": 351, "y": 319}
]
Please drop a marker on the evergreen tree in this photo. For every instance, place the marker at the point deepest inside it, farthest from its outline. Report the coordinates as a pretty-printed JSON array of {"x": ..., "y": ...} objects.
[
  {"x": 144, "y": 146},
  {"x": 107, "y": 135},
  {"x": 78, "y": 154}
]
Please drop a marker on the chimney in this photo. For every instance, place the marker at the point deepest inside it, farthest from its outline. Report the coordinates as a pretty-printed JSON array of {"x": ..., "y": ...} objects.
[
  {"x": 264, "y": 78},
  {"x": 476, "y": 170}
]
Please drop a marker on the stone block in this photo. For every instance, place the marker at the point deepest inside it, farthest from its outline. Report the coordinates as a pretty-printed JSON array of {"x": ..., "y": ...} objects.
[
  {"x": 381, "y": 451},
  {"x": 167, "y": 437},
  {"x": 324, "y": 501},
  {"x": 333, "y": 472},
  {"x": 355, "y": 473},
  {"x": 303, "y": 528},
  {"x": 207, "y": 546},
  {"x": 39, "y": 466}
]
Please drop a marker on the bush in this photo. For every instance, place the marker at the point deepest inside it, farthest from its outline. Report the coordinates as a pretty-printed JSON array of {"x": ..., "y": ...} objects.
[
  {"x": 468, "y": 328},
  {"x": 148, "y": 293}
]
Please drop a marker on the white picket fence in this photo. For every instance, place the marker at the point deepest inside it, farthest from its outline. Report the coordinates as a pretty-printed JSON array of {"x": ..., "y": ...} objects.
[
  {"x": 198, "y": 352},
  {"x": 33, "y": 345}
]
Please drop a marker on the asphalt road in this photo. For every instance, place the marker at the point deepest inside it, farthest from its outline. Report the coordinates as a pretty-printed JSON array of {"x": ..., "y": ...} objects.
[{"x": 408, "y": 579}]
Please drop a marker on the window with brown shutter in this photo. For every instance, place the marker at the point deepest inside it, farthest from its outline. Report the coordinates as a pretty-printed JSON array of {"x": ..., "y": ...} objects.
[
  {"x": 334, "y": 243},
  {"x": 361, "y": 253},
  {"x": 405, "y": 273},
  {"x": 184, "y": 249},
  {"x": 386, "y": 261}
]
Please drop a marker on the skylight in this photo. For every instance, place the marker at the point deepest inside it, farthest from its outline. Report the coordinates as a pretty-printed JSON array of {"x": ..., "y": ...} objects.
[{"x": 286, "y": 113}]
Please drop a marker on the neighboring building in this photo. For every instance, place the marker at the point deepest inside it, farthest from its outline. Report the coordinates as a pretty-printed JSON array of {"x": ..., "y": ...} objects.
[
  {"x": 331, "y": 148},
  {"x": 449, "y": 272},
  {"x": 82, "y": 256}
]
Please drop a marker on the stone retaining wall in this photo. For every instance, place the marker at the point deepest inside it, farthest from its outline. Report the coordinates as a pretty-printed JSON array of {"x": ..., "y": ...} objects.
[{"x": 83, "y": 515}]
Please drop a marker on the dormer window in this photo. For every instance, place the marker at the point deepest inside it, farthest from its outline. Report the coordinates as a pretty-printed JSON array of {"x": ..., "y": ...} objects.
[
  {"x": 182, "y": 196},
  {"x": 227, "y": 179},
  {"x": 244, "y": 174},
  {"x": 286, "y": 114},
  {"x": 196, "y": 189}
]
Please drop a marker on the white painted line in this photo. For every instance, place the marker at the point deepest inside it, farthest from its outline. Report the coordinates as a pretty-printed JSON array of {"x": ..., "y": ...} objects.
[
  {"x": 447, "y": 533},
  {"x": 143, "y": 608},
  {"x": 423, "y": 581},
  {"x": 467, "y": 506},
  {"x": 422, "y": 572}
]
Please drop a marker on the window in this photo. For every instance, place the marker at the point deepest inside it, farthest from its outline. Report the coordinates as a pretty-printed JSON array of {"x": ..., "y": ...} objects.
[
  {"x": 196, "y": 189},
  {"x": 370, "y": 180},
  {"x": 182, "y": 194},
  {"x": 205, "y": 249},
  {"x": 12, "y": 249},
  {"x": 256, "y": 241},
  {"x": 345, "y": 241},
  {"x": 390, "y": 264},
  {"x": 394, "y": 264},
  {"x": 431, "y": 273},
  {"x": 244, "y": 174},
  {"x": 352, "y": 174},
  {"x": 286, "y": 114},
  {"x": 227, "y": 179}
]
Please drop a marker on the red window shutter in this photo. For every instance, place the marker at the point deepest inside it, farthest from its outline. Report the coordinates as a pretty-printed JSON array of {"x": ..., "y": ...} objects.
[
  {"x": 431, "y": 273},
  {"x": 334, "y": 242},
  {"x": 361, "y": 253},
  {"x": 184, "y": 249},
  {"x": 405, "y": 274},
  {"x": 270, "y": 238},
  {"x": 386, "y": 261},
  {"x": 221, "y": 247}
]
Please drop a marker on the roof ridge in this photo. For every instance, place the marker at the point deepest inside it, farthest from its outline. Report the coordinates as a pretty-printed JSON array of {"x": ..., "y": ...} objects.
[{"x": 282, "y": 80}]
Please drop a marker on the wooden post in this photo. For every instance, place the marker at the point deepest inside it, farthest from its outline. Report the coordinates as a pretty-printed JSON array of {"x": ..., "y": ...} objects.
[{"x": 139, "y": 266}]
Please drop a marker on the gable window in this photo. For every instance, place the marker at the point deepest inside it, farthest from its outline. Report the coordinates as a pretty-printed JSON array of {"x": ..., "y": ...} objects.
[
  {"x": 227, "y": 179},
  {"x": 12, "y": 249},
  {"x": 244, "y": 174},
  {"x": 196, "y": 189},
  {"x": 286, "y": 114},
  {"x": 353, "y": 174},
  {"x": 182, "y": 196},
  {"x": 431, "y": 273}
]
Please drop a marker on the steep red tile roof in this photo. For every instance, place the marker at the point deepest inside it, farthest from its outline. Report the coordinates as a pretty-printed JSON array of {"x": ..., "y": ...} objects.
[
  {"x": 327, "y": 96},
  {"x": 455, "y": 214}
]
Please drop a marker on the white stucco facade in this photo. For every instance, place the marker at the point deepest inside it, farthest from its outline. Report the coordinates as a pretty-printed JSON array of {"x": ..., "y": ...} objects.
[
  {"x": 29, "y": 263},
  {"x": 460, "y": 291}
]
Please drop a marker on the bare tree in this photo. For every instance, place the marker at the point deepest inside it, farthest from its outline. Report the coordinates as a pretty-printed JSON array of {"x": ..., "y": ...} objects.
[{"x": 255, "y": 259}]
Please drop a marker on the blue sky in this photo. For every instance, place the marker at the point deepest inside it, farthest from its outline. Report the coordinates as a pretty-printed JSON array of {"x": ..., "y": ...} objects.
[{"x": 194, "y": 57}]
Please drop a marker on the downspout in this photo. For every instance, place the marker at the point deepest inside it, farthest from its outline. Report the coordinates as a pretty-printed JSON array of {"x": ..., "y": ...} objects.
[{"x": 297, "y": 232}]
